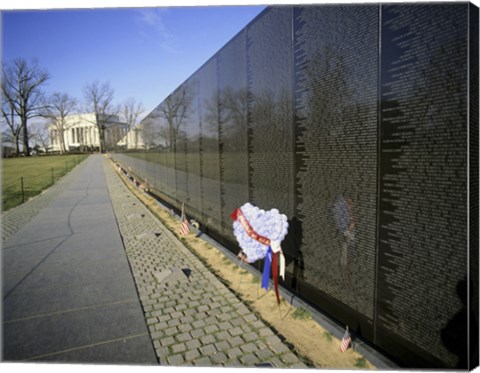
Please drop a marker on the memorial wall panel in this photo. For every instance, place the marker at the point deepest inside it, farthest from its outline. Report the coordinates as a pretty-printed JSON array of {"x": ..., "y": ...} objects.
[
  {"x": 192, "y": 148},
  {"x": 422, "y": 263},
  {"x": 176, "y": 111},
  {"x": 181, "y": 113},
  {"x": 162, "y": 175},
  {"x": 270, "y": 111},
  {"x": 156, "y": 134},
  {"x": 232, "y": 90},
  {"x": 473, "y": 195},
  {"x": 209, "y": 145},
  {"x": 155, "y": 168},
  {"x": 151, "y": 166},
  {"x": 336, "y": 80},
  {"x": 157, "y": 138},
  {"x": 135, "y": 162}
]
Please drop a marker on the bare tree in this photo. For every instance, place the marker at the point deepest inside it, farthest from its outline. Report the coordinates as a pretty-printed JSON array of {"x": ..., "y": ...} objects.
[
  {"x": 21, "y": 85},
  {"x": 175, "y": 109},
  {"x": 39, "y": 135},
  {"x": 58, "y": 108},
  {"x": 99, "y": 101},
  {"x": 10, "y": 119},
  {"x": 130, "y": 112}
]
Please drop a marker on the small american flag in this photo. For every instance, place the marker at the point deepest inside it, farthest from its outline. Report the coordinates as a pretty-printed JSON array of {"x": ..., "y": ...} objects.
[
  {"x": 184, "y": 226},
  {"x": 346, "y": 340}
]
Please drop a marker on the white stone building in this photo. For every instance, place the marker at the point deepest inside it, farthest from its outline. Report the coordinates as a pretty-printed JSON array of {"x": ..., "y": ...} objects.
[
  {"x": 81, "y": 133},
  {"x": 133, "y": 140}
]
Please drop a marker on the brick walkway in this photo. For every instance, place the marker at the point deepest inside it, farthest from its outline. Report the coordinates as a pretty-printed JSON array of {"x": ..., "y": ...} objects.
[{"x": 192, "y": 317}]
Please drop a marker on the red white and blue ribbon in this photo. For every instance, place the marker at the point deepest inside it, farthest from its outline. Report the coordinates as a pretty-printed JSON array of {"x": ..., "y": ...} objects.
[
  {"x": 238, "y": 215},
  {"x": 266, "y": 268},
  {"x": 271, "y": 261}
]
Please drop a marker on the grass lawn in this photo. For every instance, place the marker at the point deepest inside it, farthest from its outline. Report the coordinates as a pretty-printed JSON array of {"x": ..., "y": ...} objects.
[{"x": 38, "y": 173}]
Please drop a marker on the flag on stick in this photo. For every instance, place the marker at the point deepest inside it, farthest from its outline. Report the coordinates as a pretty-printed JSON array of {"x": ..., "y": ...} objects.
[
  {"x": 346, "y": 340},
  {"x": 184, "y": 226}
]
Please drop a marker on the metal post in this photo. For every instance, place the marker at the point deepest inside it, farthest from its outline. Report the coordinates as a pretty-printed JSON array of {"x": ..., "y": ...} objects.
[
  {"x": 66, "y": 167},
  {"x": 23, "y": 192},
  {"x": 52, "y": 176}
]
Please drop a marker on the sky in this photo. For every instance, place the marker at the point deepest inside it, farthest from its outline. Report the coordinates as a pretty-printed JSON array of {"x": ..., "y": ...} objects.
[{"x": 143, "y": 53}]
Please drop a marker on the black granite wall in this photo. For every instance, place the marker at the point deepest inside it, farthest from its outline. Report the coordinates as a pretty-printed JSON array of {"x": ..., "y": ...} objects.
[
  {"x": 360, "y": 123},
  {"x": 422, "y": 244}
]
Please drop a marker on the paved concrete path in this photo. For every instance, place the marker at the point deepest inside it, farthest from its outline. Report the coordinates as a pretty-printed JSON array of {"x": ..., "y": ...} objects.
[{"x": 68, "y": 292}]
